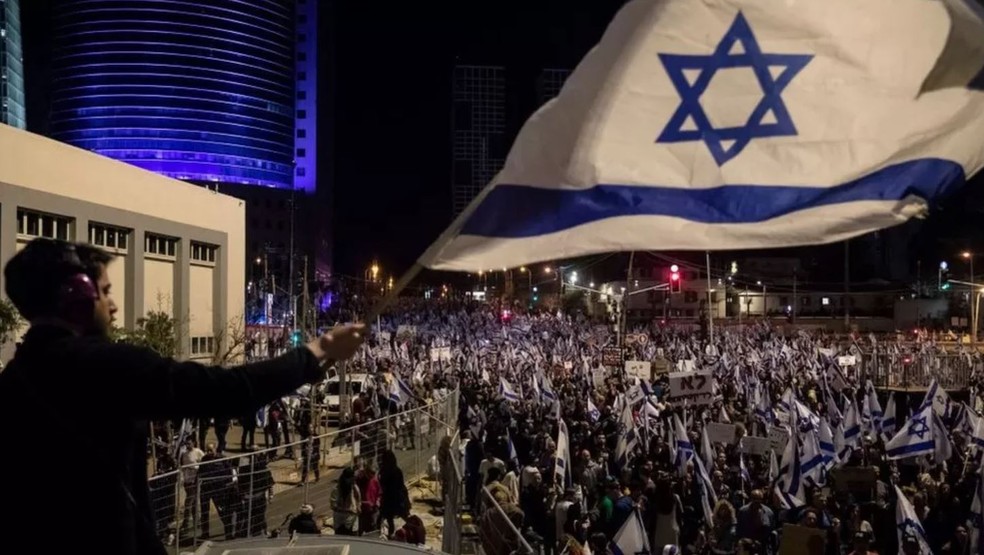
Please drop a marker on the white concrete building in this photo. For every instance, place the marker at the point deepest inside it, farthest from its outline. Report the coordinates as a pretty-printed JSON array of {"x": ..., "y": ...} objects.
[{"x": 179, "y": 247}]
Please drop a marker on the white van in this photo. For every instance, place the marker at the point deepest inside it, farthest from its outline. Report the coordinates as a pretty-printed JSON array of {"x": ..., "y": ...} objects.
[{"x": 333, "y": 387}]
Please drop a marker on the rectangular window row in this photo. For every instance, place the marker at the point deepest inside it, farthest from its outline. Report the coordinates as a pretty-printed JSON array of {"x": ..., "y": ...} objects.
[
  {"x": 108, "y": 236},
  {"x": 202, "y": 252},
  {"x": 159, "y": 244},
  {"x": 202, "y": 345},
  {"x": 38, "y": 224},
  {"x": 33, "y": 224}
]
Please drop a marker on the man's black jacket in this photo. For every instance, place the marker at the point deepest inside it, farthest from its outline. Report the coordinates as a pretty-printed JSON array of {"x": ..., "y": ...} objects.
[{"x": 74, "y": 415}]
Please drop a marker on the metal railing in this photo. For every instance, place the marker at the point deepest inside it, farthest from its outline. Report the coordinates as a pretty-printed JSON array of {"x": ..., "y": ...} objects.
[
  {"x": 452, "y": 481},
  {"x": 258, "y": 492},
  {"x": 499, "y": 528},
  {"x": 918, "y": 370}
]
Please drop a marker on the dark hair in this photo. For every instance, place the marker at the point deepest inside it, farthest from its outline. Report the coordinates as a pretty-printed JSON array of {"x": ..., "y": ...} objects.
[
  {"x": 387, "y": 461},
  {"x": 345, "y": 483},
  {"x": 34, "y": 276}
]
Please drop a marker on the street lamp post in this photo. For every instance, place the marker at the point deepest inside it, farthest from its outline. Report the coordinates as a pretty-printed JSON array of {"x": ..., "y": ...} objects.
[{"x": 969, "y": 256}]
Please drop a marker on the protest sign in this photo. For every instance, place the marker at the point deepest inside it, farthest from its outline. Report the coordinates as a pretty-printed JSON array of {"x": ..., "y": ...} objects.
[
  {"x": 694, "y": 388},
  {"x": 638, "y": 369}
]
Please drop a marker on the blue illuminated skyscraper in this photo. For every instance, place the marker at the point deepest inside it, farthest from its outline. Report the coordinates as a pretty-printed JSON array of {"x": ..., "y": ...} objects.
[
  {"x": 11, "y": 66},
  {"x": 221, "y": 91}
]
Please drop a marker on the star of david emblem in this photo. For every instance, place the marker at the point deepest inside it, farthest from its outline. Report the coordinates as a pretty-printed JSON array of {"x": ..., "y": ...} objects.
[
  {"x": 739, "y": 48},
  {"x": 919, "y": 427}
]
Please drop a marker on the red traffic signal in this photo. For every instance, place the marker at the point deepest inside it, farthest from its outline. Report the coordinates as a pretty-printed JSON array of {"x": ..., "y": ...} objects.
[{"x": 676, "y": 281}]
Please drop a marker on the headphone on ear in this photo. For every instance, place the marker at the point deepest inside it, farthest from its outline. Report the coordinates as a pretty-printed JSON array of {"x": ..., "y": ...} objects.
[{"x": 77, "y": 292}]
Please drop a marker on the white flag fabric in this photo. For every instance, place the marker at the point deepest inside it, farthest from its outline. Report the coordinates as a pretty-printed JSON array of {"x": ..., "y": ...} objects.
[
  {"x": 507, "y": 391},
  {"x": 908, "y": 523},
  {"x": 631, "y": 538},
  {"x": 732, "y": 125},
  {"x": 888, "y": 422},
  {"x": 923, "y": 434}
]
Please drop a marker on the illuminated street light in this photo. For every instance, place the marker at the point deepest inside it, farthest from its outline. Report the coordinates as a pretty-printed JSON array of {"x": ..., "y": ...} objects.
[
  {"x": 547, "y": 270},
  {"x": 966, "y": 254}
]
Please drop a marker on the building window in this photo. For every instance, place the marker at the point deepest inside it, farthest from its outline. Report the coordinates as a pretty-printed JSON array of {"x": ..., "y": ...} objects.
[
  {"x": 160, "y": 245},
  {"x": 301, "y": 18},
  {"x": 108, "y": 236},
  {"x": 301, "y": 171},
  {"x": 301, "y": 38},
  {"x": 202, "y": 345},
  {"x": 301, "y": 152},
  {"x": 825, "y": 301},
  {"x": 302, "y": 133},
  {"x": 201, "y": 252},
  {"x": 302, "y": 57},
  {"x": 690, "y": 313},
  {"x": 302, "y": 76},
  {"x": 49, "y": 226},
  {"x": 302, "y": 114},
  {"x": 805, "y": 301}
]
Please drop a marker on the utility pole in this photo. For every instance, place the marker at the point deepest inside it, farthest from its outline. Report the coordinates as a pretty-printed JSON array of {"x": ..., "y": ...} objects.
[
  {"x": 290, "y": 265},
  {"x": 306, "y": 306},
  {"x": 847, "y": 286},
  {"x": 625, "y": 303},
  {"x": 795, "y": 298},
  {"x": 710, "y": 313}
]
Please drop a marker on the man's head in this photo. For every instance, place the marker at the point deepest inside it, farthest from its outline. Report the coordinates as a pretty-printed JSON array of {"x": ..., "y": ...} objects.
[{"x": 63, "y": 282}]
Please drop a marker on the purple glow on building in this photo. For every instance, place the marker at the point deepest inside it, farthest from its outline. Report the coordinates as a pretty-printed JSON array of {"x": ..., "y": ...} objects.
[{"x": 198, "y": 91}]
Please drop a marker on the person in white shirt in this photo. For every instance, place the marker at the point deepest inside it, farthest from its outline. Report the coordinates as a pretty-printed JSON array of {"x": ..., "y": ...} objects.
[
  {"x": 490, "y": 461},
  {"x": 190, "y": 456}
]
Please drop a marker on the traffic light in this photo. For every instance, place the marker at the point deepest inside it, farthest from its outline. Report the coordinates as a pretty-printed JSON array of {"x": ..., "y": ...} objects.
[
  {"x": 676, "y": 281},
  {"x": 944, "y": 277}
]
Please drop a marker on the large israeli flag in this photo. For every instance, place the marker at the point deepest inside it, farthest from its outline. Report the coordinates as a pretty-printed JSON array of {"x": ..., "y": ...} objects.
[{"x": 733, "y": 124}]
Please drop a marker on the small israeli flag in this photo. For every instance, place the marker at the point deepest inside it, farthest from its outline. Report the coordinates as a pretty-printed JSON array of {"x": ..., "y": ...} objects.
[
  {"x": 908, "y": 523},
  {"x": 631, "y": 538},
  {"x": 507, "y": 391},
  {"x": 593, "y": 413},
  {"x": 923, "y": 434}
]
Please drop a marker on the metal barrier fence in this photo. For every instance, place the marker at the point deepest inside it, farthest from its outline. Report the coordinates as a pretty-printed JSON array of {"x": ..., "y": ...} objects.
[
  {"x": 256, "y": 493},
  {"x": 452, "y": 481},
  {"x": 917, "y": 370},
  {"x": 499, "y": 528}
]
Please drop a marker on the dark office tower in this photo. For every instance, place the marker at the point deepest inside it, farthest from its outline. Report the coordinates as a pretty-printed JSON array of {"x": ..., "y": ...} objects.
[
  {"x": 199, "y": 91},
  {"x": 478, "y": 130},
  {"x": 11, "y": 66}
]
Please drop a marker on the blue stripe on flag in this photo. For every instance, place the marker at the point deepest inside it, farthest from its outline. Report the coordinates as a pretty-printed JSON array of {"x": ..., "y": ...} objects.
[
  {"x": 537, "y": 211},
  {"x": 912, "y": 448}
]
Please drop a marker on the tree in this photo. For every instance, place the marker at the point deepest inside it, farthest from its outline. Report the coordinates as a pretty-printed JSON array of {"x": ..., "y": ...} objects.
[
  {"x": 158, "y": 331},
  {"x": 10, "y": 321},
  {"x": 234, "y": 338}
]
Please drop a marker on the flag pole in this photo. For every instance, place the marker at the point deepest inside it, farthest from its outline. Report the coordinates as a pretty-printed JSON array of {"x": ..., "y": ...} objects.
[{"x": 710, "y": 315}]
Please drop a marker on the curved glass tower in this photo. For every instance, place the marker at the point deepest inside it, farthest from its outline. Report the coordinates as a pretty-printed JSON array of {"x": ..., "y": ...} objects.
[
  {"x": 199, "y": 91},
  {"x": 11, "y": 66}
]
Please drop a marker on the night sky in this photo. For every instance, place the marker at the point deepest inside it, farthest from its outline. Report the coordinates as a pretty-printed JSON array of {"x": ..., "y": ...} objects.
[{"x": 386, "y": 103}]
